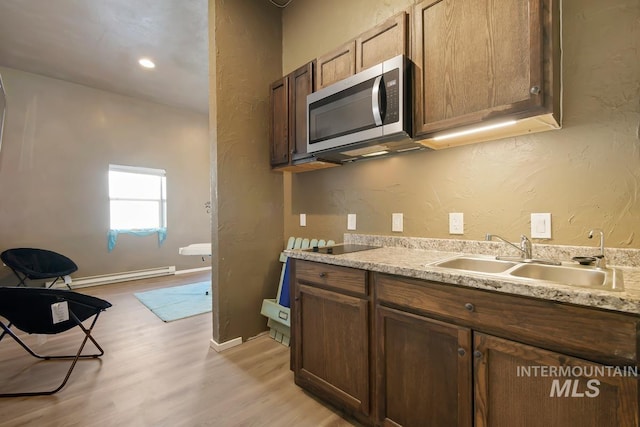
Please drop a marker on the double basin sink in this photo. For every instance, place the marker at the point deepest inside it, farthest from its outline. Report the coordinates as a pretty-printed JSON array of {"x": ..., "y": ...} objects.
[{"x": 572, "y": 275}]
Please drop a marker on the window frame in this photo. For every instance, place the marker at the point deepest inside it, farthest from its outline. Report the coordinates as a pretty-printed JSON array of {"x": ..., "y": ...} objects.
[{"x": 162, "y": 201}]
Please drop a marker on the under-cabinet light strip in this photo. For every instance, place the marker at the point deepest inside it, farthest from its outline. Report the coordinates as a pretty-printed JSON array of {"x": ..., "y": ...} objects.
[
  {"x": 474, "y": 130},
  {"x": 376, "y": 153}
]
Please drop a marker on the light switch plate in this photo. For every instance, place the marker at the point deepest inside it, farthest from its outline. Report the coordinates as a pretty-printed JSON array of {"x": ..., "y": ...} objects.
[
  {"x": 541, "y": 225},
  {"x": 303, "y": 220},
  {"x": 456, "y": 223},
  {"x": 351, "y": 221},
  {"x": 396, "y": 222}
]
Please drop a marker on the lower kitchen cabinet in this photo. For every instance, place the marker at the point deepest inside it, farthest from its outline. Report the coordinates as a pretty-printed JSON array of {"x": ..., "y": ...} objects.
[
  {"x": 331, "y": 335},
  {"x": 424, "y": 371},
  {"x": 515, "y": 385},
  {"x": 444, "y": 355},
  {"x": 519, "y": 347}
]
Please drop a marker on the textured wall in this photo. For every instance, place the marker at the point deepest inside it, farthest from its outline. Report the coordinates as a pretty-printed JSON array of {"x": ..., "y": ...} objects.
[
  {"x": 587, "y": 174},
  {"x": 245, "y": 50},
  {"x": 59, "y": 140}
]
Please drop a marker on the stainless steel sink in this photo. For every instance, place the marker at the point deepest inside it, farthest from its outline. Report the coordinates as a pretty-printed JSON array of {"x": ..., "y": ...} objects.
[
  {"x": 607, "y": 278},
  {"x": 571, "y": 275},
  {"x": 567, "y": 275},
  {"x": 480, "y": 265}
]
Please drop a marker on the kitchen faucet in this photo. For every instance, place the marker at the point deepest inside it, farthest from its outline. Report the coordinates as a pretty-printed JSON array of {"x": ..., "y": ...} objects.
[
  {"x": 525, "y": 244},
  {"x": 601, "y": 261}
]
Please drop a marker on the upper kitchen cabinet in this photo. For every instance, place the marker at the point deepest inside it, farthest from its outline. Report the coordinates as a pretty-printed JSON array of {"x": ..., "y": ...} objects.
[
  {"x": 385, "y": 41},
  {"x": 279, "y": 129},
  {"x": 288, "y": 131},
  {"x": 336, "y": 65},
  {"x": 485, "y": 62},
  {"x": 380, "y": 43}
]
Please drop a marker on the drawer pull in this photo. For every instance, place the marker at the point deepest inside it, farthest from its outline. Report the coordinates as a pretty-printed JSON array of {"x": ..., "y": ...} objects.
[
  {"x": 469, "y": 307},
  {"x": 461, "y": 351},
  {"x": 477, "y": 354},
  {"x": 323, "y": 274}
]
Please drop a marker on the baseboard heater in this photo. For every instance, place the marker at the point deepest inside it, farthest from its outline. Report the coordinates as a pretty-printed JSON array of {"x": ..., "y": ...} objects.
[{"x": 106, "y": 279}]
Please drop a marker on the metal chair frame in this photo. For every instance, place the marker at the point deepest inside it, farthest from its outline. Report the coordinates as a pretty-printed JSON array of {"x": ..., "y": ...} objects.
[
  {"x": 74, "y": 357},
  {"x": 23, "y": 279}
]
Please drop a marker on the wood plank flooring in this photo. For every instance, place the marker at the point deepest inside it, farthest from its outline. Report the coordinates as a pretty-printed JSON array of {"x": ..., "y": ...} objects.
[{"x": 156, "y": 374}]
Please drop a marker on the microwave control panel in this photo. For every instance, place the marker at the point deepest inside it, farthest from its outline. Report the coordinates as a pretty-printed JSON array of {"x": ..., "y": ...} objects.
[{"x": 392, "y": 96}]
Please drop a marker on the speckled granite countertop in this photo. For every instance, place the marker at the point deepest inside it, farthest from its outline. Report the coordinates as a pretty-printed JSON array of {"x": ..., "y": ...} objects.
[{"x": 417, "y": 263}]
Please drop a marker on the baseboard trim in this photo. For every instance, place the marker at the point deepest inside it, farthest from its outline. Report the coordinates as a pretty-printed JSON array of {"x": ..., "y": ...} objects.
[
  {"x": 225, "y": 345},
  {"x": 107, "y": 279},
  {"x": 192, "y": 270}
]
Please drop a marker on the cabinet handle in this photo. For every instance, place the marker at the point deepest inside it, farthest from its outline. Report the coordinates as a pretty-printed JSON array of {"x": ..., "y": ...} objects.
[
  {"x": 461, "y": 351},
  {"x": 323, "y": 274},
  {"x": 477, "y": 354},
  {"x": 469, "y": 307},
  {"x": 535, "y": 90},
  {"x": 296, "y": 299}
]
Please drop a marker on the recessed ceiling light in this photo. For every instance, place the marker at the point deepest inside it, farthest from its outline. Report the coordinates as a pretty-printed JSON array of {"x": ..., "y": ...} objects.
[{"x": 146, "y": 63}]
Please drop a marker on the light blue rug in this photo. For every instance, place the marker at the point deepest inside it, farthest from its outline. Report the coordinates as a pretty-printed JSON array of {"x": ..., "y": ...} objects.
[{"x": 178, "y": 302}]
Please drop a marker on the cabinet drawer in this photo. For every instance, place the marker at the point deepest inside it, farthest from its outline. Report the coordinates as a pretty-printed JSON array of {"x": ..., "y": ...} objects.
[
  {"x": 347, "y": 279},
  {"x": 589, "y": 333}
]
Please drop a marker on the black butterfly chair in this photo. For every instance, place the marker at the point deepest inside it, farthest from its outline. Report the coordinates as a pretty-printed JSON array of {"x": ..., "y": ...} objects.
[
  {"x": 31, "y": 310},
  {"x": 38, "y": 264}
]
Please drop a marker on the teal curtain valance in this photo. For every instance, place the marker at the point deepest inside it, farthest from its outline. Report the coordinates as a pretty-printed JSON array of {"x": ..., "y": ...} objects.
[{"x": 112, "y": 235}]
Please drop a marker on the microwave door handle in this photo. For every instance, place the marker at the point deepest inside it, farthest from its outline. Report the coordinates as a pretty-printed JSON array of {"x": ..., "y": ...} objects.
[{"x": 375, "y": 101}]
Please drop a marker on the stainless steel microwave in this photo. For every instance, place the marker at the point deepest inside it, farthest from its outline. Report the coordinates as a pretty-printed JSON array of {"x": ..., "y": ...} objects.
[{"x": 363, "y": 115}]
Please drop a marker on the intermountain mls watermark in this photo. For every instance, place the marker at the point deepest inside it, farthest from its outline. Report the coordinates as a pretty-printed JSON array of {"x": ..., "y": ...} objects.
[{"x": 576, "y": 381}]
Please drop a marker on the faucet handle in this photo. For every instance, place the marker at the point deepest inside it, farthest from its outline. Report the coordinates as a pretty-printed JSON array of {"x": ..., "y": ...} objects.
[{"x": 601, "y": 261}]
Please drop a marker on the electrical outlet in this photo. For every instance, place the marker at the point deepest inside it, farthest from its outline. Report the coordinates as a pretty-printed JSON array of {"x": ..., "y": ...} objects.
[
  {"x": 541, "y": 225},
  {"x": 396, "y": 222},
  {"x": 351, "y": 221},
  {"x": 303, "y": 220},
  {"x": 456, "y": 223}
]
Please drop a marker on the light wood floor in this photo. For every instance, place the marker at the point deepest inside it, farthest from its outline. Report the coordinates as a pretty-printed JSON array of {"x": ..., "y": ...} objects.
[{"x": 156, "y": 374}]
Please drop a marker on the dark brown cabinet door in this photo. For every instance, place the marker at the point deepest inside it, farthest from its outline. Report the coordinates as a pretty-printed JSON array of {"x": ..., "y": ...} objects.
[
  {"x": 332, "y": 346},
  {"x": 279, "y": 126},
  {"x": 300, "y": 85},
  {"x": 380, "y": 43},
  {"x": 477, "y": 60},
  {"x": 385, "y": 41},
  {"x": 423, "y": 371},
  {"x": 336, "y": 65},
  {"x": 515, "y": 384},
  {"x": 288, "y": 134}
]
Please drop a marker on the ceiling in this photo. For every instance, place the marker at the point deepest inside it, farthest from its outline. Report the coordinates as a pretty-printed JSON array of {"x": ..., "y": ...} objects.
[{"x": 97, "y": 43}]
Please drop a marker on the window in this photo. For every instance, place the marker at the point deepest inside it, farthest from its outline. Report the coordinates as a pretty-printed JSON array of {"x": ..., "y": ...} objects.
[{"x": 137, "y": 198}]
